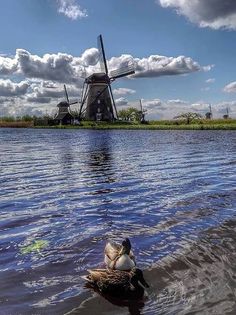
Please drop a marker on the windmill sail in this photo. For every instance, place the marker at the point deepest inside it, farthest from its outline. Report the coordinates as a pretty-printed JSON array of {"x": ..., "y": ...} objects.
[
  {"x": 102, "y": 56},
  {"x": 67, "y": 97},
  {"x": 122, "y": 72},
  {"x": 113, "y": 103},
  {"x": 66, "y": 94}
]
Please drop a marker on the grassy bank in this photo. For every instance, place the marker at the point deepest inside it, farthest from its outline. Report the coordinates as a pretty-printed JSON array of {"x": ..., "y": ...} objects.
[
  {"x": 219, "y": 124},
  {"x": 159, "y": 125}
]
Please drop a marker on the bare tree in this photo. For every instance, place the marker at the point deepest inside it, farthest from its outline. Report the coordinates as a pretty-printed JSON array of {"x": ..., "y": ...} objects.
[{"x": 189, "y": 117}]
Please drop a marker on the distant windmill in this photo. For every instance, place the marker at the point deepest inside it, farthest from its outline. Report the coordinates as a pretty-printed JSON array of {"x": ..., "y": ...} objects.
[
  {"x": 209, "y": 114},
  {"x": 97, "y": 102},
  {"x": 226, "y": 116},
  {"x": 64, "y": 116},
  {"x": 142, "y": 112}
]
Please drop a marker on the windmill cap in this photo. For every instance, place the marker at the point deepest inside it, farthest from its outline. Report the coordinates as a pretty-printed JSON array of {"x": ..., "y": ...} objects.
[{"x": 98, "y": 78}]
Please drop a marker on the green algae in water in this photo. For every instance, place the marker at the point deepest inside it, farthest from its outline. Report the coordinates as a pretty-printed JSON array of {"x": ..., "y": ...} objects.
[{"x": 37, "y": 246}]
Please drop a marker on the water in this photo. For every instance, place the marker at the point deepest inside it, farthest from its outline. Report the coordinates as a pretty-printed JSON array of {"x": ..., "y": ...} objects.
[{"x": 172, "y": 192}]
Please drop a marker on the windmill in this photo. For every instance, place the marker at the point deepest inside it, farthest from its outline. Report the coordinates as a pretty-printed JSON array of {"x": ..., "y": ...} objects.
[
  {"x": 64, "y": 116},
  {"x": 226, "y": 116},
  {"x": 142, "y": 112},
  {"x": 209, "y": 114},
  {"x": 97, "y": 101}
]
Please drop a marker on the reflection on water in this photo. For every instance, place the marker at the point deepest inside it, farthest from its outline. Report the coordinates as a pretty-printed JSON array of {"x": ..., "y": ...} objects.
[{"x": 172, "y": 193}]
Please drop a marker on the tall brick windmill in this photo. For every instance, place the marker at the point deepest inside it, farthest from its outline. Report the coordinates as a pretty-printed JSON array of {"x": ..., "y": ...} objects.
[{"x": 97, "y": 102}]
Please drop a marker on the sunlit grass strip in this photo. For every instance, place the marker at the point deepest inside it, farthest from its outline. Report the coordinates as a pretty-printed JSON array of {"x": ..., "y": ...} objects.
[{"x": 16, "y": 124}]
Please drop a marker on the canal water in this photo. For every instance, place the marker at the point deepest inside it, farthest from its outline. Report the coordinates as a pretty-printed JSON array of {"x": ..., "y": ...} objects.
[{"x": 64, "y": 193}]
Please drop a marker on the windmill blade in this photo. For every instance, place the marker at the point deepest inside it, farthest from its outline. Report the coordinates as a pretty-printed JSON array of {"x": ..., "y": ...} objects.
[
  {"x": 84, "y": 96},
  {"x": 102, "y": 56},
  {"x": 66, "y": 94},
  {"x": 113, "y": 101},
  {"x": 122, "y": 72}
]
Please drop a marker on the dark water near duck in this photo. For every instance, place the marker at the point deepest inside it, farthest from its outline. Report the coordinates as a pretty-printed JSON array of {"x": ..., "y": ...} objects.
[{"x": 172, "y": 192}]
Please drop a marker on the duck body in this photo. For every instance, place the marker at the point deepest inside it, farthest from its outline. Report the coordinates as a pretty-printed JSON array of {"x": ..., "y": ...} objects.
[
  {"x": 119, "y": 257},
  {"x": 117, "y": 283}
]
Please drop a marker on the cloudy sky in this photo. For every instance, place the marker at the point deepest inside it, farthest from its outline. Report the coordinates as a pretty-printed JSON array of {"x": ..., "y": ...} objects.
[{"x": 183, "y": 51}]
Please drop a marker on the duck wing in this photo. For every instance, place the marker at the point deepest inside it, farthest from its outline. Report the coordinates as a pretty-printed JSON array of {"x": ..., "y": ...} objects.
[
  {"x": 96, "y": 275},
  {"x": 115, "y": 282}
]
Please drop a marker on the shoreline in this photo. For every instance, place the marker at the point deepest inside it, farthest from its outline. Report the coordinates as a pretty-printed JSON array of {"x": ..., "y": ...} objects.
[{"x": 161, "y": 125}]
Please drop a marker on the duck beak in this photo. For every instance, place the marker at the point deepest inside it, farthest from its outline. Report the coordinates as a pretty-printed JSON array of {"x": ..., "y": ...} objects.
[{"x": 122, "y": 251}]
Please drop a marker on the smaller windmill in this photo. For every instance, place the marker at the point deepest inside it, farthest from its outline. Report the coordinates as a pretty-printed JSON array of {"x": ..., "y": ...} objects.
[
  {"x": 97, "y": 102},
  {"x": 208, "y": 115},
  {"x": 226, "y": 116},
  {"x": 64, "y": 115},
  {"x": 142, "y": 112}
]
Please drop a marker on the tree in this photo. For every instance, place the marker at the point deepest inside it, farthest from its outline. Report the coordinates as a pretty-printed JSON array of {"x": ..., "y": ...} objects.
[
  {"x": 189, "y": 117},
  {"x": 130, "y": 113}
]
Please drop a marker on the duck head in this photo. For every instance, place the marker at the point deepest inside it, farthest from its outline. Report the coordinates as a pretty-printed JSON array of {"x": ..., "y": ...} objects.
[{"x": 126, "y": 247}]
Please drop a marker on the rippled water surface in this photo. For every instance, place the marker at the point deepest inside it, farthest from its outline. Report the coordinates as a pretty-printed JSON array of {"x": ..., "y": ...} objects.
[{"x": 173, "y": 193}]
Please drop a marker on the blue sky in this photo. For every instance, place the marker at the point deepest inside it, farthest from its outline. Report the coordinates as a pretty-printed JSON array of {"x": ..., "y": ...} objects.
[{"x": 183, "y": 52}]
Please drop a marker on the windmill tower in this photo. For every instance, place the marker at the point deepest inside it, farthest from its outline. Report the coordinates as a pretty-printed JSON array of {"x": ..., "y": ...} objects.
[
  {"x": 97, "y": 101},
  {"x": 64, "y": 116},
  {"x": 209, "y": 114}
]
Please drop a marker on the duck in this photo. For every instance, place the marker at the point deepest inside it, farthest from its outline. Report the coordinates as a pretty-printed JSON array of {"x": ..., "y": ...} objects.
[
  {"x": 117, "y": 283},
  {"x": 119, "y": 257}
]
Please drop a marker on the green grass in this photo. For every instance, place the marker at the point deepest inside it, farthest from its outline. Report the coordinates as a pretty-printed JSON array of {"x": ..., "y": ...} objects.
[
  {"x": 216, "y": 124},
  {"x": 219, "y": 124}
]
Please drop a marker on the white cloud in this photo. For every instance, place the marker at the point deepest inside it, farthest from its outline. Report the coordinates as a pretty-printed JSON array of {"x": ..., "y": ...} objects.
[
  {"x": 208, "y": 68},
  {"x": 32, "y": 98},
  {"x": 152, "y": 104},
  {"x": 71, "y": 9},
  {"x": 121, "y": 102},
  {"x": 14, "y": 107},
  {"x": 9, "y": 88},
  {"x": 211, "y": 80},
  {"x": 65, "y": 68},
  {"x": 215, "y": 14},
  {"x": 8, "y": 65},
  {"x": 89, "y": 57},
  {"x": 230, "y": 88},
  {"x": 45, "y": 92},
  {"x": 155, "y": 66},
  {"x": 177, "y": 102},
  {"x": 56, "y": 67},
  {"x": 123, "y": 91}
]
